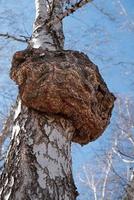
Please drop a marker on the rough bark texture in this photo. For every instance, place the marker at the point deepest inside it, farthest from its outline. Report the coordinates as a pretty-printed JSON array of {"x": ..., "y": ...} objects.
[
  {"x": 64, "y": 83},
  {"x": 38, "y": 164},
  {"x": 129, "y": 195},
  {"x": 48, "y": 35}
]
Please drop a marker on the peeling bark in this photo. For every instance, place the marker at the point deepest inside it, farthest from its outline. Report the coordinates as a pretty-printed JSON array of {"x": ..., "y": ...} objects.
[{"x": 38, "y": 164}]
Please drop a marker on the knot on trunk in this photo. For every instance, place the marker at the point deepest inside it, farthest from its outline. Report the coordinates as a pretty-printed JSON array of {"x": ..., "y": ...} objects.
[{"x": 64, "y": 83}]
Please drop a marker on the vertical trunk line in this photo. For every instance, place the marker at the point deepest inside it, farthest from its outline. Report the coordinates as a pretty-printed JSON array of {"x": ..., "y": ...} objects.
[
  {"x": 38, "y": 164},
  {"x": 46, "y": 35}
]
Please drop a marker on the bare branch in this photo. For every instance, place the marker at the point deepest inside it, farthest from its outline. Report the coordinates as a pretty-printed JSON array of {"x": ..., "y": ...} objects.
[
  {"x": 112, "y": 18},
  {"x": 124, "y": 154},
  {"x": 120, "y": 156},
  {"x": 68, "y": 11},
  {"x": 73, "y": 8},
  {"x": 8, "y": 36}
]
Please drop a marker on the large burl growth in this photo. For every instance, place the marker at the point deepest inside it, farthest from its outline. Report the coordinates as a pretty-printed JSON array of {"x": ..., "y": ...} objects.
[{"x": 64, "y": 83}]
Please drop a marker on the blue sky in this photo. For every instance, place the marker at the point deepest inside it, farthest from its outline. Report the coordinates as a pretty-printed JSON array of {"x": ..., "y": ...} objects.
[{"x": 107, "y": 42}]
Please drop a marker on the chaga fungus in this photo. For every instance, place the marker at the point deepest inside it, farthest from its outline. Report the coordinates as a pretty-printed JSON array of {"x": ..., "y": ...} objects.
[{"x": 64, "y": 83}]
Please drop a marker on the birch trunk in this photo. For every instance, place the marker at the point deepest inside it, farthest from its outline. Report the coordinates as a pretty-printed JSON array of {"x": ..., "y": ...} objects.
[{"x": 38, "y": 164}]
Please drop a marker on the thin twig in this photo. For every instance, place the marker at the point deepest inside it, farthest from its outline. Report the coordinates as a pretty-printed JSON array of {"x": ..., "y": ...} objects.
[
  {"x": 8, "y": 36},
  {"x": 112, "y": 18}
]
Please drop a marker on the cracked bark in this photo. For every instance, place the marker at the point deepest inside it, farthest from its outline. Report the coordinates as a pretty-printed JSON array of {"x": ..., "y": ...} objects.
[{"x": 38, "y": 164}]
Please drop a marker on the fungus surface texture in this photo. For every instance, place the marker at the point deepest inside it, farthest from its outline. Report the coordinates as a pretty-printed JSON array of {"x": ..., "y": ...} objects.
[{"x": 64, "y": 83}]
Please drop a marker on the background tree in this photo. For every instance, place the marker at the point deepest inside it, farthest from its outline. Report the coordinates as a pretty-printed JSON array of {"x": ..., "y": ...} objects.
[{"x": 113, "y": 176}]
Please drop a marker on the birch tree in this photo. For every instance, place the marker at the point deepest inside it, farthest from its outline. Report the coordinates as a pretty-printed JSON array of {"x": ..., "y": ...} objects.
[
  {"x": 38, "y": 163},
  {"x": 113, "y": 178}
]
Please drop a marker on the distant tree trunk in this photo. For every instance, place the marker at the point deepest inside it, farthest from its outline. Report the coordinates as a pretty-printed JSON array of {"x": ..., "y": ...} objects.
[
  {"x": 129, "y": 191},
  {"x": 38, "y": 163}
]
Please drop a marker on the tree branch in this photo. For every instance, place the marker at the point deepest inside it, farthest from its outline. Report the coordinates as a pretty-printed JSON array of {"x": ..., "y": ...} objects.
[
  {"x": 112, "y": 18},
  {"x": 68, "y": 11},
  {"x": 73, "y": 8},
  {"x": 8, "y": 36}
]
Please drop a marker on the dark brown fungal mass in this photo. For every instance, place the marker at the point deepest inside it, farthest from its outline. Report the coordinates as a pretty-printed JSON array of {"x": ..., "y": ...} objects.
[{"x": 64, "y": 83}]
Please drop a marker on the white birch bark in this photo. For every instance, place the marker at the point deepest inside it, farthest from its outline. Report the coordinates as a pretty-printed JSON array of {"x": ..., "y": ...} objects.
[
  {"x": 38, "y": 164},
  {"x": 51, "y": 38},
  {"x": 107, "y": 171}
]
